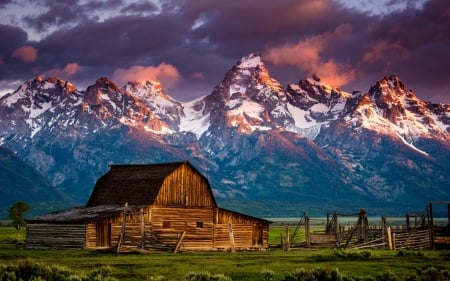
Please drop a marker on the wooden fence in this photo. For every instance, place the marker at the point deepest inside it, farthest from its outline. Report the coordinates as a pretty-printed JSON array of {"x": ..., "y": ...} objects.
[
  {"x": 420, "y": 239},
  {"x": 419, "y": 232}
]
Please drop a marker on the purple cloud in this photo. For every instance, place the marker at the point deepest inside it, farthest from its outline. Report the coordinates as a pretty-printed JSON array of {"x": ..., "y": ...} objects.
[{"x": 202, "y": 39}]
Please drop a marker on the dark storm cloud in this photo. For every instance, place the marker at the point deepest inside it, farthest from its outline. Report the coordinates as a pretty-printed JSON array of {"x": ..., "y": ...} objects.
[
  {"x": 121, "y": 41},
  {"x": 202, "y": 39},
  {"x": 247, "y": 25},
  {"x": 4, "y": 3},
  {"x": 140, "y": 7},
  {"x": 424, "y": 34},
  {"x": 11, "y": 39},
  {"x": 58, "y": 13},
  {"x": 413, "y": 44}
]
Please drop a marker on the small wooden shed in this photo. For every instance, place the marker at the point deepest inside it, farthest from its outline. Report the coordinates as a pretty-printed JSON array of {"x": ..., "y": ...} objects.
[{"x": 166, "y": 206}]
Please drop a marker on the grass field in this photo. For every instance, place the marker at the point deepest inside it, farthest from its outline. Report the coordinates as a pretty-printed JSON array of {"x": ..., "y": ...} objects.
[{"x": 238, "y": 266}]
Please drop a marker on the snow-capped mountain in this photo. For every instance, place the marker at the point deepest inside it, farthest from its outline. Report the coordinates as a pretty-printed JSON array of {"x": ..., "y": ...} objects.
[{"x": 251, "y": 137}]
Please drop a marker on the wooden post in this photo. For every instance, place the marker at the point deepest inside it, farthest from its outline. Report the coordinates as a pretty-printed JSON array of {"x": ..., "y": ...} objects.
[
  {"x": 407, "y": 222},
  {"x": 430, "y": 206},
  {"x": 448, "y": 214},
  {"x": 122, "y": 232},
  {"x": 336, "y": 223},
  {"x": 365, "y": 225},
  {"x": 307, "y": 234},
  {"x": 179, "y": 242},
  {"x": 383, "y": 230},
  {"x": 389, "y": 237},
  {"x": 328, "y": 223},
  {"x": 141, "y": 213},
  {"x": 231, "y": 236},
  {"x": 287, "y": 242},
  {"x": 393, "y": 241}
]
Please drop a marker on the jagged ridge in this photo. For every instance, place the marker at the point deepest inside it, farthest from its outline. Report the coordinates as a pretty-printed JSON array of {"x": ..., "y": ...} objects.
[{"x": 251, "y": 137}]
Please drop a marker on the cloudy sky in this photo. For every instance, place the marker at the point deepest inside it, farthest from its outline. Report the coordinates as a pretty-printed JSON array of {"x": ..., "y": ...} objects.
[{"x": 189, "y": 45}]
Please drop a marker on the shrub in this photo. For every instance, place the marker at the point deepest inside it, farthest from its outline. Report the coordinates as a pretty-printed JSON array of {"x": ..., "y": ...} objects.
[
  {"x": 205, "y": 276},
  {"x": 386, "y": 276},
  {"x": 156, "y": 278},
  {"x": 268, "y": 275},
  {"x": 429, "y": 274},
  {"x": 318, "y": 274},
  {"x": 353, "y": 255},
  {"x": 29, "y": 270},
  {"x": 409, "y": 253}
]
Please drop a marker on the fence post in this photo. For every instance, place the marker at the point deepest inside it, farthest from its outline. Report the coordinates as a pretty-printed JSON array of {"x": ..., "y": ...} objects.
[
  {"x": 231, "y": 237},
  {"x": 307, "y": 234},
  {"x": 287, "y": 242},
  {"x": 393, "y": 241},
  {"x": 431, "y": 225},
  {"x": 389, "y": 236}
]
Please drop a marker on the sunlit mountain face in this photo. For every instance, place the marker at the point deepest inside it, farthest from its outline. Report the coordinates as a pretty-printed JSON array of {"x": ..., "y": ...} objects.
[{"x": 267, "y": 149}]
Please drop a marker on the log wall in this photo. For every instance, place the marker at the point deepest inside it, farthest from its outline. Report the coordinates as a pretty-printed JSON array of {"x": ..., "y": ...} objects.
[
  {"x": 169, "y": 223},
  {"x": 256, "y": 229},
  {"x": 55, "y": 236}
]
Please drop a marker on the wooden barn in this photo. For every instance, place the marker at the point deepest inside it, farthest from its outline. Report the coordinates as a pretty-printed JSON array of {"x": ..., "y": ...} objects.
[{"x": 149, "y": 207}]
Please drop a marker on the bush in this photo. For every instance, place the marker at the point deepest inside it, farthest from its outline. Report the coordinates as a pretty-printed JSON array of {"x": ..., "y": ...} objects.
[
  {"x": 29, "y": 270},
  {"x": 205, "y": 276},
  {"x": 386, "y": 276},
  {"x": 409, "y": 253},
  {"x": 318, "y": 274},
  {"x": 430, "y": 274},
  {"x": 353, "y": 255},
  {"x": 268, "y": 275}
]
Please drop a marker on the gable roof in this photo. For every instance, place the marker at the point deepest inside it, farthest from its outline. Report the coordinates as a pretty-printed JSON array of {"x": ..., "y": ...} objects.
[{"x": 136, "y": 184}]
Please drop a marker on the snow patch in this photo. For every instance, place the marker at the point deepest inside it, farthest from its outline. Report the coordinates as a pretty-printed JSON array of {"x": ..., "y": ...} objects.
[
  {"x": 194, "y": 121},
  {"x": 412, "y": 146},
  {"x": 250, "y": 108},
  {"x": 250, "y": 62},
  {"x": 320, "y": 107},
  {"x": 300, "y": 117}
]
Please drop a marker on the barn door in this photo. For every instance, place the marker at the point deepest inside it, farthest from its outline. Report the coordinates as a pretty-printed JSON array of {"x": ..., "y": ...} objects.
[
  {"x": 103, "y": 234},
  {"x": 257, "y": 234}
]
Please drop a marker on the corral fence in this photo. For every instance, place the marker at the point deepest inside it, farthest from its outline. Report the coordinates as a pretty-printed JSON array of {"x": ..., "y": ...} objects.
[{"x": 420, "y": 230}]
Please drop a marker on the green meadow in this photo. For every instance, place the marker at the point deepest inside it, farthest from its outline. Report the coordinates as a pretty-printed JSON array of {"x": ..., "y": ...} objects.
[{"x": 273, "y": 264}]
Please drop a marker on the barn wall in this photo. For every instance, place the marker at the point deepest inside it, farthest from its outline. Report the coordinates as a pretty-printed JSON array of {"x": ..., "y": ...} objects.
[
  {"x": 115, "y": 223},
  {"x": 168, "y": 224},
  {"x": 55, "y": 236},
  {"x": 248, "y": 231},
  {"x": 185, "y": 187}
]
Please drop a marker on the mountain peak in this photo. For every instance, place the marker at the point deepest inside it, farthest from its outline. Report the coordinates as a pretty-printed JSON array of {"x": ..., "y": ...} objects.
[
  {"x": 148, "y": 86},
  {"x": 106, "y": 83},
  {"x": 253, "y": 60},
  {"x": 393, "y": 84}
]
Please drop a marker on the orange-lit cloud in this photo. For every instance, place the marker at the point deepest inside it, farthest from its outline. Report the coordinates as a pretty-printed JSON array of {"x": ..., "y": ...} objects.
[
  {"x": 198, "y": 75},
  {"x": 382, "y": 49},
  {"x": 26, "y": 54},
  {"x": 72, "y": 68},
  {"x": 167, "y": 74},
  {"x": 308, "y": 55}
]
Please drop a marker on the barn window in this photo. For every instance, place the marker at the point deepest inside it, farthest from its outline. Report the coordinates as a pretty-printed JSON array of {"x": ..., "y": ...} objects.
[
  {"x": 166, "y": 224},
  {"x": 200, "y": 224}
]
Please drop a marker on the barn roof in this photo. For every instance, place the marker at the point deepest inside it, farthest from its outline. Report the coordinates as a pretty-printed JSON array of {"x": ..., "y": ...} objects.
[
  {"x": 79, "y": 214},
  {"x": 136, "y": 184}
]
